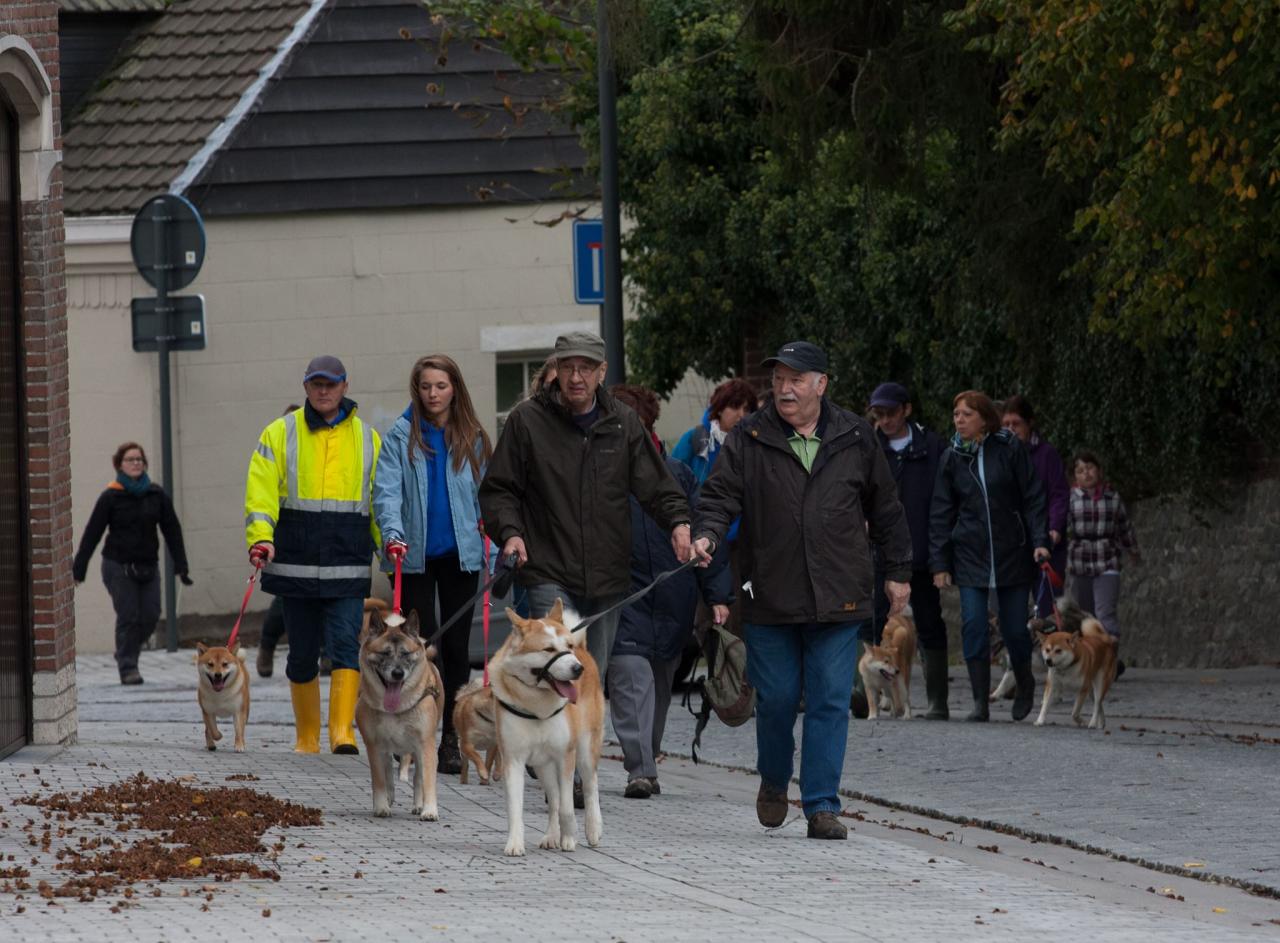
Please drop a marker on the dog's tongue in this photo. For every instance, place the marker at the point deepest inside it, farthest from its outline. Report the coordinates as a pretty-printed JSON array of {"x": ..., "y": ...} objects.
[
  {"x": 219, "y": 685},
  {"x": 565, "y": 689},
  {"x": 391, "y": 696}
]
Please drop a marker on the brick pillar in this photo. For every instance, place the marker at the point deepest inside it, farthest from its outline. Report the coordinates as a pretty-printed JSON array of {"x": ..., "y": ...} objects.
[{"x": 29, "y": 58}]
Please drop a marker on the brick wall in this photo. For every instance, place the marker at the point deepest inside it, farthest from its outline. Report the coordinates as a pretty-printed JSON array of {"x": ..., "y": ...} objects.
[{"x": 44, "y": 338}]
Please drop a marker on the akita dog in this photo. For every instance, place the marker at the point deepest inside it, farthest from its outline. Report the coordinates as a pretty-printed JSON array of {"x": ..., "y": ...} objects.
[
  {"x": 222, "y": 691},
  {"x": 401, "y": 700},
  {"x": 474, "y": 720},
  {"x": 886, "y": 668},
  {"x": 1084, "y": 658},
  {"x": 550, "y": 715}
]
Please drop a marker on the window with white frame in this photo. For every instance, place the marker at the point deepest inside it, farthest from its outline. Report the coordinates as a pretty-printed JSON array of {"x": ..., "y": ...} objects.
[{"x": 514, "y": 373}]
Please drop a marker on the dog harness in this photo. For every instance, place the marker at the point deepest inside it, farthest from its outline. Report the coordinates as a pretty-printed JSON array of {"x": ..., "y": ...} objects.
[{"x": 542, "y": 674}]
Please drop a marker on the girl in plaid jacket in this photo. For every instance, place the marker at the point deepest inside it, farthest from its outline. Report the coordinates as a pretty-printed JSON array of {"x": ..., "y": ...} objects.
[{"x": 1100, "y": 533}]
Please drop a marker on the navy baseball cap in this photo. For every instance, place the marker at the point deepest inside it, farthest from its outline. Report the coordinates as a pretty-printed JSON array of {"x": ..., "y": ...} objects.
[
  {"x": 799, "y": 355},
  {"x": 890, "y": 395},
  {"x": 330, "y": 368}
]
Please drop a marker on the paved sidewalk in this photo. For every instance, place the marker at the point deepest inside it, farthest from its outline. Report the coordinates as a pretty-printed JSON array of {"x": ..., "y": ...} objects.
[
  {"x": 691, "y": 864},
  {"x": 1187, "y": 771}
]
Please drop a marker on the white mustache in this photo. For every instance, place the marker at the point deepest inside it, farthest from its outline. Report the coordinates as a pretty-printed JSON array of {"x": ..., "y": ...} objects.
[{"x": 787, "y": 398}]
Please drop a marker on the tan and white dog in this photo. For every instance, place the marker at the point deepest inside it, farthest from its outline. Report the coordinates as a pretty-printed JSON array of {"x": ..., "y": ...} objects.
[
  {"x": 401, "y": 700},
  {"x": 476, "y": 724},
  {"x": 1085, "y": 659},
  {"x": 550, "y": 715},
  {"x": 886, "y": 668},
  {"x": 222, "y": 691}
]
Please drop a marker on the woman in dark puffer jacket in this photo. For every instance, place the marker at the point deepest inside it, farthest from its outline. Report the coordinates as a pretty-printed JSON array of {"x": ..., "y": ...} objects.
[{"x": 987, "y": 529}]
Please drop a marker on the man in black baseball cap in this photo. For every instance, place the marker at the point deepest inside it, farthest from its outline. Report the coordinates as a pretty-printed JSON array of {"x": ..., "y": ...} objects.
[{"x": 812, "y": 488}]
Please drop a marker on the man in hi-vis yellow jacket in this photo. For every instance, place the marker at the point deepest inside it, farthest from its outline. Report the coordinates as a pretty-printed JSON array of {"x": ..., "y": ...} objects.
[{"x": 307, "y": 515}]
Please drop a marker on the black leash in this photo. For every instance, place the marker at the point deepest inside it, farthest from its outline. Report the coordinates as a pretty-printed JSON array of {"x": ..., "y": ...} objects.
[
  {"x": 499, "y": 581},
  {"x": 638, "y": 594}
]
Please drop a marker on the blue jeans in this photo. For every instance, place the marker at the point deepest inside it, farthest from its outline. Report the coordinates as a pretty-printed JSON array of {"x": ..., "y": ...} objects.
[
  {"x": 309, "y": 621},
  {"x": 816, "y": 659},
  {"x": 1012, "y": 602}
]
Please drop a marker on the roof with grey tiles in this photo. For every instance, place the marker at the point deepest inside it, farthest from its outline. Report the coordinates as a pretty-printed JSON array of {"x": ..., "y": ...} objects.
[
  {"x": 365, "y": 113},
  {"x": 169, "y": 90},
  {"x": 112, "y": 6}
]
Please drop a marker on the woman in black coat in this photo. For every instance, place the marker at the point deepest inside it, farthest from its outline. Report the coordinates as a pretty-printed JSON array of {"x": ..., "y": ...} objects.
[
  {"x": 987, "y": 529},
  {"x": 129, "y": 511},
  {"x": 653, "y": 631}
]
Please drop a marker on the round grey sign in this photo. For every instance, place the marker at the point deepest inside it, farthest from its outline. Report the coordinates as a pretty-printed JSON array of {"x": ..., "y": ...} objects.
[{"x": 168, "y": 242}]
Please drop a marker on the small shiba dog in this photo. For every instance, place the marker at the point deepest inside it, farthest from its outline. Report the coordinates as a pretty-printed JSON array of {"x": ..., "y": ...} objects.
[
  {"x": 222, "y": 691},
  {"x": 886, "y": 668},
  {"x": 1085, "y": 658},
  {"x": 550, "y": 715},
  {"x": 477, "y": 729},
  {"x": 401, "y": 700}
]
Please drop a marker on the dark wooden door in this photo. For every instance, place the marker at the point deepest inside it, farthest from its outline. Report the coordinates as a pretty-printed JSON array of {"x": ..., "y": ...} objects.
[{"x": 15, "y": 637}]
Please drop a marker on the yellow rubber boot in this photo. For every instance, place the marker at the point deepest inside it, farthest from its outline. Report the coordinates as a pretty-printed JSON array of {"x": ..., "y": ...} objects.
[
  {"x": 344, "y": 689},
  {"x": 306, "y": 715}
]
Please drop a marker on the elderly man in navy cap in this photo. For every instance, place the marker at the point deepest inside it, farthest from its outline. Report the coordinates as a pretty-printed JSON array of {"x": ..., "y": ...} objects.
[
  {"x": 811, "y": 485},
  {"x": 913, "y": 453}
]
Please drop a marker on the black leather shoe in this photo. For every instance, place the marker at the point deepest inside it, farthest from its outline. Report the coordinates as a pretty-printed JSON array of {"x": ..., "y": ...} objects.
[
  {"x": 980, "y": 685},
  {"x": 266, "y": 661},
  {"x": 1025, "y": 691},
  {"x": 448, "y": 757},
  {"x": 130, "y": 676},
  {"x": 638, "y": 789}
]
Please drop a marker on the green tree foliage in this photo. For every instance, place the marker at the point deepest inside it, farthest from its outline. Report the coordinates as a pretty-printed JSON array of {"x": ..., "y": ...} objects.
[{"x": 896, "y": 182}]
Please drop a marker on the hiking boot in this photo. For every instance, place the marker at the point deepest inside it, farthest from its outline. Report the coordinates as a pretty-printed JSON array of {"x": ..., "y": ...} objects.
[
  {"x": 266, "y": 660},
  {"x": 448, "y": 757},
  {"x": 130, "y": 676},
  {"x": 654, "y": 788},
  {"x": 638, "y": 789},
  {"x": 1025, "y": 691},
  {"x": 771, "y": 806},
  {"x": 827, "y": 825},
  {"x": 980, "y": 684},
  {"x": 935, "y": 684}
]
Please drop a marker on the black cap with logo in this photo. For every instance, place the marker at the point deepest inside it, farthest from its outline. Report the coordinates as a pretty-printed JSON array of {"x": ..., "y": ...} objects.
[{"x": 799, "y": 355}]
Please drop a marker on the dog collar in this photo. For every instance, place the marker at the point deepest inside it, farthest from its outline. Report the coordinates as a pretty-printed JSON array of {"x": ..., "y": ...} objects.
[{"x": 525, "y": 714}]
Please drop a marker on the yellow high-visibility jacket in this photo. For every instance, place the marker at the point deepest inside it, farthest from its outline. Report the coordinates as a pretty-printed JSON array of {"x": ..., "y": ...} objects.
[{"x": 309, "y": 492}]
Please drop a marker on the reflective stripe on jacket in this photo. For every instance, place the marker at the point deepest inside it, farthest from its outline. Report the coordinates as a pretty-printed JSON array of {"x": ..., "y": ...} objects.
[{"x": 309, "y": 492}]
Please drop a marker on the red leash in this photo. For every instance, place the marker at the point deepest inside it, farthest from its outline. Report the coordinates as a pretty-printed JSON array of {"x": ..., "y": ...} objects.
[
  {"x": 486, "y": 614},
  {"x": 395, "y": 592},
  {"x": 244, "y": 604}
]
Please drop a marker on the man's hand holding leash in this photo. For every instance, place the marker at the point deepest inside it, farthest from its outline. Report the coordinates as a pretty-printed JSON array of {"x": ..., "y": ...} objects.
[
  {"x": 515, "y": 544},
  {"x": 702, "y": 550},
  {"x": 680, "y": 545},
  {"x": 262, "y": 553}
]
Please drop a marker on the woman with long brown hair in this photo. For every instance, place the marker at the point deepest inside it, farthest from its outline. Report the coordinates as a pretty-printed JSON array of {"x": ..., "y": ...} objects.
[
  {"x": 424, "y": 498},
  {"x": 987, "y": 528}
]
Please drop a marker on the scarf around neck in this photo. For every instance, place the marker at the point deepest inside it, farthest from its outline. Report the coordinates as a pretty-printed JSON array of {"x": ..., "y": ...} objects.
[{"x": 134, "y": 486}]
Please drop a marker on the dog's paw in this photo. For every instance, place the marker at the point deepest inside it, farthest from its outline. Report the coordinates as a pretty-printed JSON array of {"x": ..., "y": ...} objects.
[
  {"x": 210, "y": 747},
  {"x": 594, "y": 835},
  {"x": 239, "y": 747},
  {"x": 428, "y": 814},
  {"x": 381, "y": 810},
  {"x": 1039, "y": 723},
  {"x": 568, "y": 843},
  {"x": 551, "y": 841},
  {"x": 515, "y": 848}
]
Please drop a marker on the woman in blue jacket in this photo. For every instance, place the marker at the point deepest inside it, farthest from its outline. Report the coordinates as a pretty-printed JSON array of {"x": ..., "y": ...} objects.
[
  {"x": 424, "y": 497},
  {"x": 987, "y": 525},
  {"x": 700, "y": 446}
]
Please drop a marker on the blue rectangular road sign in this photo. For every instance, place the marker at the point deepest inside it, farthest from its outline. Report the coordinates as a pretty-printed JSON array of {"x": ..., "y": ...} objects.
[{"x": 588, "y": 261}]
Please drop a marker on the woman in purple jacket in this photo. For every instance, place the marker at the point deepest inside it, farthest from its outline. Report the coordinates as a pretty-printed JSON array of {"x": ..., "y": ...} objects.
[{"x": 1020, "y": 419}]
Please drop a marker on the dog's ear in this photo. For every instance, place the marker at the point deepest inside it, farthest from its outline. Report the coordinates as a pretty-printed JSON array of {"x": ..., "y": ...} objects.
[
  {"x": 201, "y": 648},
  {"x": 234, "y": 647},
  {"x": 412, "y": 623},
  {"x": 372, "y": 625},
  {"x": 557, "y": 611},
  {"x": 578, "y": 639},
  {"x": 518, "y": 625}
]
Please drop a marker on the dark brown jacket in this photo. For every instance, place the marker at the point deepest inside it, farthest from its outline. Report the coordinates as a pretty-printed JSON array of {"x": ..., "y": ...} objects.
[
  {"x": 803, "y": 543},
  {"x": 566, "y": 493}
]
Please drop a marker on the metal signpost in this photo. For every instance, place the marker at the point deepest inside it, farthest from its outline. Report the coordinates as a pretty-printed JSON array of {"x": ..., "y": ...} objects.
[{"x": 168, "y": 244}]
